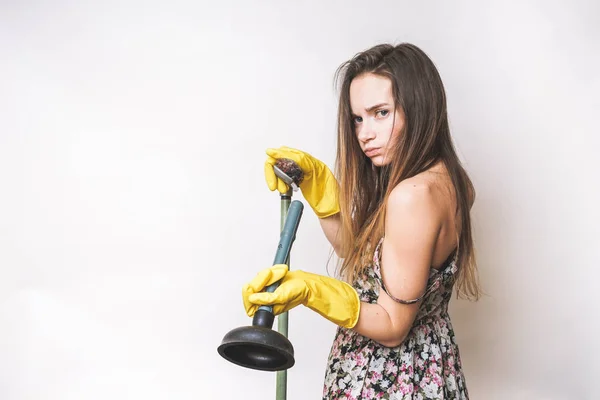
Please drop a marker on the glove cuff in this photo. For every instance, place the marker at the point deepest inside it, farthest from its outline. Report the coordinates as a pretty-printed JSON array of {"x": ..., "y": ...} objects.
[{"x": 354, "y": 307}]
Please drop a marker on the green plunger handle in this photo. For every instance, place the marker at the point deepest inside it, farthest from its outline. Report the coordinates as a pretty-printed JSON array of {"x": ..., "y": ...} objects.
[{"x": 286, "y": 239}]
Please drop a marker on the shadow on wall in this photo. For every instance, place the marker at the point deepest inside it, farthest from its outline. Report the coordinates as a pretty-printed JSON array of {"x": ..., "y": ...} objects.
[
  {"x": 479, "y": 325},
  {"x": 512, "y": 341}
]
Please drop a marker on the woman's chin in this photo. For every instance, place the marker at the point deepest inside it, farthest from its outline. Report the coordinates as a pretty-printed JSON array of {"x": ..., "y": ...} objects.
[{"x": 379, "y": 161}]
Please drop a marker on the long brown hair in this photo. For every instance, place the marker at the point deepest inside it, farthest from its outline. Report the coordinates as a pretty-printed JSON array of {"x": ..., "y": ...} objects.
[{"x": 425, "y": 140}]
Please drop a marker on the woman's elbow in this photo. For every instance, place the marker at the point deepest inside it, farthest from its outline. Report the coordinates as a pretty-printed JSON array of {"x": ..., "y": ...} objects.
[{"x": 395, "y": 341}]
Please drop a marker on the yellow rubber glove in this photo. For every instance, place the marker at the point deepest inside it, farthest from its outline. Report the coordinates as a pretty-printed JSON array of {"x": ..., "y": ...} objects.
[
  {"x": 264, "y": 278},
  {"x": 319, "y": 186},
  {"x": 331, "y": 298}
]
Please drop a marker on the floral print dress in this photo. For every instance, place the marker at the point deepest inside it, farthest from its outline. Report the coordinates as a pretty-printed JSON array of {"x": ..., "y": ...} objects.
[{"x": 426, "y": 365}]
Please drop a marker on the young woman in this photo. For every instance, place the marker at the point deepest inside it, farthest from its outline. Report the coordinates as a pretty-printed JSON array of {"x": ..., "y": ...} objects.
[{"x": 398, "y": 216}]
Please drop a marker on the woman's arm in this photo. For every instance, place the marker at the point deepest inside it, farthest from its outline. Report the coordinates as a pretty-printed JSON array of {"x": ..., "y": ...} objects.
[
  {"x": 412, "y": 226},
  {"x": 331, "y": 228}
]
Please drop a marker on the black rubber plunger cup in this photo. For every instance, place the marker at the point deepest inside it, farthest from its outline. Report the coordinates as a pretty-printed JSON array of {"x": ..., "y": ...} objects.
[{"x": 259, "y": 346}]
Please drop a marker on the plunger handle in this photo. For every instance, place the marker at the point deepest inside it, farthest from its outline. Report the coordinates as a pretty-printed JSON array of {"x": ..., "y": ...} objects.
[{"x": 264, "y": 315}]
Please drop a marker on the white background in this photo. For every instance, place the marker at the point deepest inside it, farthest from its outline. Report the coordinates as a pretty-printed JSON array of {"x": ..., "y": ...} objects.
[{"x": 133, "y": 206}]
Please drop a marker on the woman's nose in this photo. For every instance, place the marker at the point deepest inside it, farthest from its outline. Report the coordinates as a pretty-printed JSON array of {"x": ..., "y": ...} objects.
[{"x": 366, "y": 132}]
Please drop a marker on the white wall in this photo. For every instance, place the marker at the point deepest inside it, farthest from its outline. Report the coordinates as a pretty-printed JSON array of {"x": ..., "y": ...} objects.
[{"x": 133, "y": 205}]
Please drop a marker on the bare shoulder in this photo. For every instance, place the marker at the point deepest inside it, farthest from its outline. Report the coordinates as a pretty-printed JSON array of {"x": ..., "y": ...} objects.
[
  {"x": 415, "y": 197},
  {"x": 413, "y": 192}
]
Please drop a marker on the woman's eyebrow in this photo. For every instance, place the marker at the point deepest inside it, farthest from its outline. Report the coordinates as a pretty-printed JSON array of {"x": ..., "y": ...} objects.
[
  {"x": 376, "y": 106},
  {"x": 372, "y": 108}
]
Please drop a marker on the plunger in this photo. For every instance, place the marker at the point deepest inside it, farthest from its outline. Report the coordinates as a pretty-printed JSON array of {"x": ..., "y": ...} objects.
[
  {"x": 292, "y": 175},
  {"x": 259, "y": 346}
]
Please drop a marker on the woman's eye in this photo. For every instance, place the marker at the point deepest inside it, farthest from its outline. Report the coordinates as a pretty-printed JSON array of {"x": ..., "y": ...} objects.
[
  {"x": 383, "y": 113},
  {"x": 357, "y": 120}
]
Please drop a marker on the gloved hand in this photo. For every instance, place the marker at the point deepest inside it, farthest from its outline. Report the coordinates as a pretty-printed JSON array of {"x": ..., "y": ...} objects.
[
  {"x": 331, "y": 298},
  {"x": 319, "y": 186}
]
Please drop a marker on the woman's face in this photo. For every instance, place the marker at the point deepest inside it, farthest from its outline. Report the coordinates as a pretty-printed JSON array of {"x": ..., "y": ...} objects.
[{"x": 376, "y": 120}]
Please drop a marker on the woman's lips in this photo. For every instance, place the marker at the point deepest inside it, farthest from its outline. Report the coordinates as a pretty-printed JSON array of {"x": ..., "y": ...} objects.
[{"x": 372, "y": 152}]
